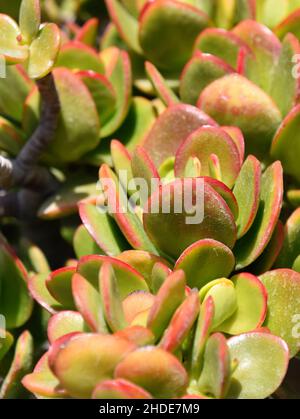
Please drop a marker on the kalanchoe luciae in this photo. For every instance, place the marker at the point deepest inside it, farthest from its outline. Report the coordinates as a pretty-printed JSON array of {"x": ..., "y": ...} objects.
[{"x": 133, "y": 329}]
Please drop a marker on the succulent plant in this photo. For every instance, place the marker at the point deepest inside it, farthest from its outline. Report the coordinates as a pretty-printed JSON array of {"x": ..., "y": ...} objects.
[
  {"x": 130, "y": 327},
  {"x": 184, "y": 278}
]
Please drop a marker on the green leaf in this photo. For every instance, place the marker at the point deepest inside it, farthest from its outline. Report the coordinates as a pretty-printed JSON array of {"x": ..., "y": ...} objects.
[
  {"x": 247, "y": 191},
  {"x": 43, "y": 51},
  {"x": 16, "y": 79},
  {"x": 204, "y": 261},
  {"x": 214, "y": 378},
  {"x": 59, "y": 286},
  {"x": 291, "y": 244},
  {"x": 120, "y": 76},
  {"x": 126, "y": 24},
  {"x": 251, "y": 246},
  {"x": 160, "y": 85},
  {"x": 172, "y": 127},
  {"x": 140, "y": 366},
  {"x": 285, "y": 86},
  {"x": 234, "y": 100},
  {"x": 286, "y": 144},
  {"x": 84, "y": 244},
  {"x": 42, "y": 382},
  {"x": 167, "y": 300},
  {"x": 22, "y": 363},
  {"x": 11, "y": 138},
  {"x": 221, "y": 43},
  {"x": 119, "y": 389},
  {"x": 103, "y": 229},
  {"x": 64, "y": 323},
  {"x": 168, "y": 30},
  {"x": 198, "y": 73},
  {"x": 15, "y": 301},
  {"x": 262, "y": 361},
  {"x": 95, "y": 354},
  {"x": 165, "y": 228},
  {"x": 10, "y": 47},
  {"x": 30, "y": 19},
  {"x": 77, "y": 56},
  {"x": 6, "y": 342},
  {"x": 251, "y": 305},
  {"x": 283, "y": 288},
  {"x": 111, "y": 299},
  {"x": 207, "y": 143}
]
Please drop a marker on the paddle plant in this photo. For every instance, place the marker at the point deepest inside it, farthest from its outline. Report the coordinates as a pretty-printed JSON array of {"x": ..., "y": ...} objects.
[
  {"x": 186, "y": 305},
  {"x": 132, "y": 327}
]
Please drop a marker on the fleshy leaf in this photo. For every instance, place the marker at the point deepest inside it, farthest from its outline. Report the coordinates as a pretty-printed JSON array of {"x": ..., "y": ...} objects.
[
  {"x": 167, "y": 300},
  {"x": 30, "y": 19},
  {"x": 251, "y": 305},
  {"x": 164, "y": 92},
  {"x": 11, "y": 139},
  {"x": 102, "y": 92},
  {"x": 126, "y": 24},
  {"x": 285, "y": 86},
  {"x": 247, "y": 191},
  {"x": 118, "y": 206},
  {"x": 64, "y": 323},
  {"x": 75, "y": 189},
  {"x": 168, "y": 30},
  {"x": 140, "y": 366},
  {"x": 59, "y": 285},
  {"x": 17, "y": 80},
  {"x": 140, "y": 336},
  {"x": 181, "y": 323},
  {"x": 120, "y": 77},
  {"x": 291, "y": 243},
  {"x": 74, "y": 136},
  {"x": 221, "y": 43},
  {"x": 266, "y": 50},
  {"x": 204, "y": 261},
  {"x": 111, "y": 300},
  {"x": 214, "y": 378},
  {"x": 141, "y": 261},
  {"x": 119, "y": 389},
  {"x": 39, "y": 291},
  {"x": 6, "y": 342},
  {"x": 257, "y": 374},
  {"x": 160, "y": 273},
  {"x": 135, "y": 303},
  {"x": 283, "y": 288},
  {"x": 11, "y": 387},
  {"x": 88, "y": 301},
  {"x": 224, "y": 297},
  {"x": 198, "y": 73},
  {"x": 88, "y": 33},
  {"x": 165, "y": 228},
  {"x": 235, "y": 100},
  {"x": 42, "y": 382},
  {"x": 10, "y": 48},
  {"x": 289, "y": 25},
  {"x": 205, "y": 142},
  {"x": 103, "y": 229},
  {"x": 251, "y": 246},
  {"x": 15, "y": 301},
  {"x": 95, "y": 354},
  {"x": 286, "y": 144},
  {"x": 203, "y": 330},
  {"x": 171, "y": 128},
  {"x": 84, "y": 244},
  {"x": 78, "y": 56},
  {"x": 43, "y": 51},
  {"x": 128, "y": 279}
]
